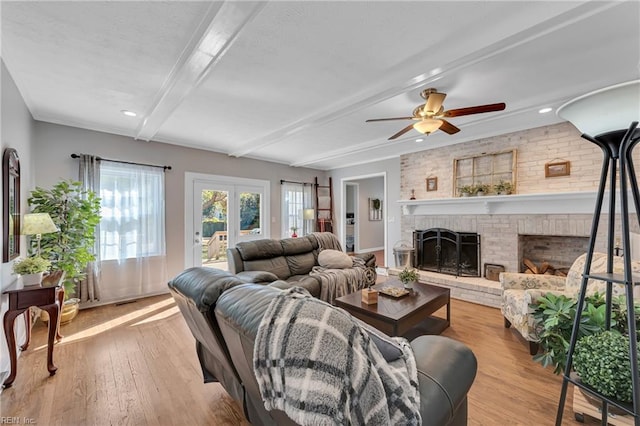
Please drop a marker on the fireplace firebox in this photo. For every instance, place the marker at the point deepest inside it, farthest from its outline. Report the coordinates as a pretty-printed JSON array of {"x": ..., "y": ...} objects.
[{"x": 447, "y": 252}]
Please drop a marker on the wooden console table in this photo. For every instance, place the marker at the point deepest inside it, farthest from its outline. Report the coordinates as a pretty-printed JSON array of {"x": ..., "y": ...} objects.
[{"x": 49, "y": 299}]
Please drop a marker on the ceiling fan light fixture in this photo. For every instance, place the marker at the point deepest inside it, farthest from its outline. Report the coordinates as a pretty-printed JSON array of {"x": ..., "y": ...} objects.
[{"x": 428, "y": 125}]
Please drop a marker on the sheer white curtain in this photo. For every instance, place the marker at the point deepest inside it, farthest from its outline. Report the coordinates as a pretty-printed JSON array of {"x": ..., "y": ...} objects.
[
  {"x": 295, "y": 198},
  {"x": 132, "y": 230}
]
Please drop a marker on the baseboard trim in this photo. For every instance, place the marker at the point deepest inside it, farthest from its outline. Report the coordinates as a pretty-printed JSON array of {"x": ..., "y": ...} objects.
[{"x": 369, "y": 250}]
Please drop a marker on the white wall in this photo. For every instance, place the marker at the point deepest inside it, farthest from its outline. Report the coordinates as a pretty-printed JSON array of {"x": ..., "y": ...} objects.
[
  {"x": 16, "y": 127},
  {"x": 370, "y": 233},
  {"x": 55, "y": 143},
  {"x": 392, "y": 211}
]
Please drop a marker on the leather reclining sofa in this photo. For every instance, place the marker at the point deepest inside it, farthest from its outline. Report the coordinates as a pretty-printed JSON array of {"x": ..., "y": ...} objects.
[
  {"x": 292, "y": 260},
  {"x": 223, "y": 313}
]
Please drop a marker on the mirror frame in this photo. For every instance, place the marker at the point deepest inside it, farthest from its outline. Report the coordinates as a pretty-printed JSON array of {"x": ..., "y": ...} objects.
[{"x": 10, "y": 205}]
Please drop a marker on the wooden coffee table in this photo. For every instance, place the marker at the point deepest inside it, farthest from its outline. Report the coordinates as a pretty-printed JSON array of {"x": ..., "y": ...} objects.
[{"x": 408, "y": 316}]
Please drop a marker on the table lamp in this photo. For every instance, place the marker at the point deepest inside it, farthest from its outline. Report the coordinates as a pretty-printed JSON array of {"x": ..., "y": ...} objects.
[
  {"x": 308, "y": 214},
  {"x": 38, "y": 224}
]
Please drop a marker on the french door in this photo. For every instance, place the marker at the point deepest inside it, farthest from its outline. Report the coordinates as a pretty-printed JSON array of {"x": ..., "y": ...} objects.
[{"x": 224, "y": 211}]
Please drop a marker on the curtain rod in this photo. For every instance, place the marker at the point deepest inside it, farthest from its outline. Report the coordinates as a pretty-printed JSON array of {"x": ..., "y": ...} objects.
[
  {"x": 125, "y": 162},
  {"x": 290, "y": 181}
]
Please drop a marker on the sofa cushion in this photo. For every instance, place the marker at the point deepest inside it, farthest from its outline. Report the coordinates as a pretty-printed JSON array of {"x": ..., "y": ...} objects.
[
  {"x": 300, "y": 245},
  {"x": 301, "y": 264},
  {"x": 334, "y": 259},
  {"x": 260, "y": 249},
  {"x": 276, "y": 265}
]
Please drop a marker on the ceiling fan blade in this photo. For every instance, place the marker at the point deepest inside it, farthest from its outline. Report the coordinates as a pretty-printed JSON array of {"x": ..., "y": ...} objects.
[
  {"x": 433, "y": 104},
  {"x": 401, "y": 132},
  {"x": 389, "y": 119},
  {"x": 448, "y": 127},
  {"x": 474, "y": 110}
]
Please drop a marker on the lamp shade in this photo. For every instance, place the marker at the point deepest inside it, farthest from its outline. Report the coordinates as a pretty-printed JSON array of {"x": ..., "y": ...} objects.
[
  {"x": 427, "y": 125},
  {"x": 38, "y": 223},
  {"x": 604, "y": 110},
  {"x": 308, "y": 214}
]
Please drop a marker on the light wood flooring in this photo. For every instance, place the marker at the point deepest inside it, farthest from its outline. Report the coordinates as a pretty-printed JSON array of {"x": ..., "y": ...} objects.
[{"x": 135, "y": 364}]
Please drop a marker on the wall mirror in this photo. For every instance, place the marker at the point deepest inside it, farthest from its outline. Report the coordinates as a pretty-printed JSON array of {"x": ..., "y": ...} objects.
[{"x": 10, "y": 205}]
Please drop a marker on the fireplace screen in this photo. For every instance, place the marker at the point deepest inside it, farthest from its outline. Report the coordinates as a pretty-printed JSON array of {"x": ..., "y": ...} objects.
[{"x": 447, "y": 252}]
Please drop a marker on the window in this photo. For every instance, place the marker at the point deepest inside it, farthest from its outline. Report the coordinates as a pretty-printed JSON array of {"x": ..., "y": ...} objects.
[
  {"x": 295, "y": 198},
  {"x": 132, "y": 208},
  {"x": 487, "y": 169}
]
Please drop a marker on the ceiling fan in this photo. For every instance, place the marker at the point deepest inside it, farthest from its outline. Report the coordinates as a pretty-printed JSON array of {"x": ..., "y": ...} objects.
[{"x": 429, "y": 116}]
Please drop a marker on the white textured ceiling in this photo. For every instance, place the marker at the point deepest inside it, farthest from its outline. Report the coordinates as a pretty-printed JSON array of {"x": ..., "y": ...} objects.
[{"x": 293, "y": 82}]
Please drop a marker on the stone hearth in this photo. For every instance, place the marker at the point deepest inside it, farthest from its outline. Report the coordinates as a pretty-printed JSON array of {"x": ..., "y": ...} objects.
[{"x": 470, "y": 289}]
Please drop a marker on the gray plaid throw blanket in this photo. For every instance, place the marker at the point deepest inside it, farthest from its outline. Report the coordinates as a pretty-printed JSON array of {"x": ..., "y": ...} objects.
[{"x": 314, "y": 362}]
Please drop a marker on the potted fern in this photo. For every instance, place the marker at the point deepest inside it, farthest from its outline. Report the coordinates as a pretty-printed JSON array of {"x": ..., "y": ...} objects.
[{"x": 31, "y": 269}]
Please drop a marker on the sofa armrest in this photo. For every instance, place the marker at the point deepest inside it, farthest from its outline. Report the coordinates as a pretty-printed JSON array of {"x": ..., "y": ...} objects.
[
  {"x": 257, "y": 276},
  {"x": 369, "y": 259},
  {"x": 518, "y": 281},
  {"x": 446, "y": 370}
]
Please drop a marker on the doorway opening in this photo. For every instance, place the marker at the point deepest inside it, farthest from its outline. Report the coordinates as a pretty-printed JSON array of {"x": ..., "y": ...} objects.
[{"x": 363, "y": 212}]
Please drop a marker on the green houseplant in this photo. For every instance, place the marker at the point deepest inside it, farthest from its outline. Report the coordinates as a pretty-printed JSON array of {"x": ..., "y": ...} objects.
[
  {"x": 31, "y": 269},
  {"x": 481, "y": 189},
  {"x": 554, "y": 316},
  {"x": 466, "y": 190},
  {"x": 408, "y": 276},
  {"x": 503, "y": 187},
  {"x": 602, "y": 362},
  {"x": 76, "y": 212}
]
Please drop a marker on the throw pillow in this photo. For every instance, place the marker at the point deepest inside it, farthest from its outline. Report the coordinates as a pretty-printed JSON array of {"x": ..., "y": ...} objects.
[
  {"x": 389, "y": 348},
  {"x": 334, "y": 259}
]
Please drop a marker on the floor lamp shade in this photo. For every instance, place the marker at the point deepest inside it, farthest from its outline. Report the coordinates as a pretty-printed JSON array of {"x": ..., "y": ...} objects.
[{"x": 604, "y": 110}]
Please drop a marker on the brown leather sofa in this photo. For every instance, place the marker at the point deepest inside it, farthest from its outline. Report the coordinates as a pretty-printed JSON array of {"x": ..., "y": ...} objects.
[
  {"x": 293, "y": 259},
  {"x": 223, "y": 314}
]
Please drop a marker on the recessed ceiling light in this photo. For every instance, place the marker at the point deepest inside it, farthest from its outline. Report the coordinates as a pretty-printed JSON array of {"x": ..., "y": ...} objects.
[
  {"x": 545, "y": 110},
  {"x": 128, "y": 113},
  {"x": 419, "y": 140}
]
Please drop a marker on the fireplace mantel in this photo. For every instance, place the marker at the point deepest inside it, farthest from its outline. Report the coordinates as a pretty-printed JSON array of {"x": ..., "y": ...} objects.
[{"x": 549, "y": 203}]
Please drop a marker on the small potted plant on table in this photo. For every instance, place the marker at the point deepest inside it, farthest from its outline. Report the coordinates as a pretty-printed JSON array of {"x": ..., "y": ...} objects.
[
  {"x": 31, "y": 269},
  {"x": 408, "y": 276}
]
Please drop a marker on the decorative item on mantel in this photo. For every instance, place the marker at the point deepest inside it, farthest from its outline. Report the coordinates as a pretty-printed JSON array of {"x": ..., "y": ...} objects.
[
  {"x": 432, "y": 183},
  {"x": 413, "y": 194},
  {"x": 556, "y": 168}
]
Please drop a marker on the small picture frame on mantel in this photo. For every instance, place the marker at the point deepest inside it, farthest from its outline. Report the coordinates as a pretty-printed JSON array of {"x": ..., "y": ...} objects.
[
  {"x": 432, "y": 184},
  {"x": 558, "y": 168}
]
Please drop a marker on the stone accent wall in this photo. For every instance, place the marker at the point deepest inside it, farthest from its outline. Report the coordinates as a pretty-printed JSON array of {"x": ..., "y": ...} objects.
[{"x": 534, "y": 147}]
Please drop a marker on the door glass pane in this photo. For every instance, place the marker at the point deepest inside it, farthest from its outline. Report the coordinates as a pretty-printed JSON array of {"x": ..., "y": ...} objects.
[
  {"x": 250, "y": 219},
  {"x": 214, "y": 228}
]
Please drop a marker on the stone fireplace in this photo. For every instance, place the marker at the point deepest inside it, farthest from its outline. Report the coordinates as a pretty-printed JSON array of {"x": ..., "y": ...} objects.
[{"x": 549, "y": 227}]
